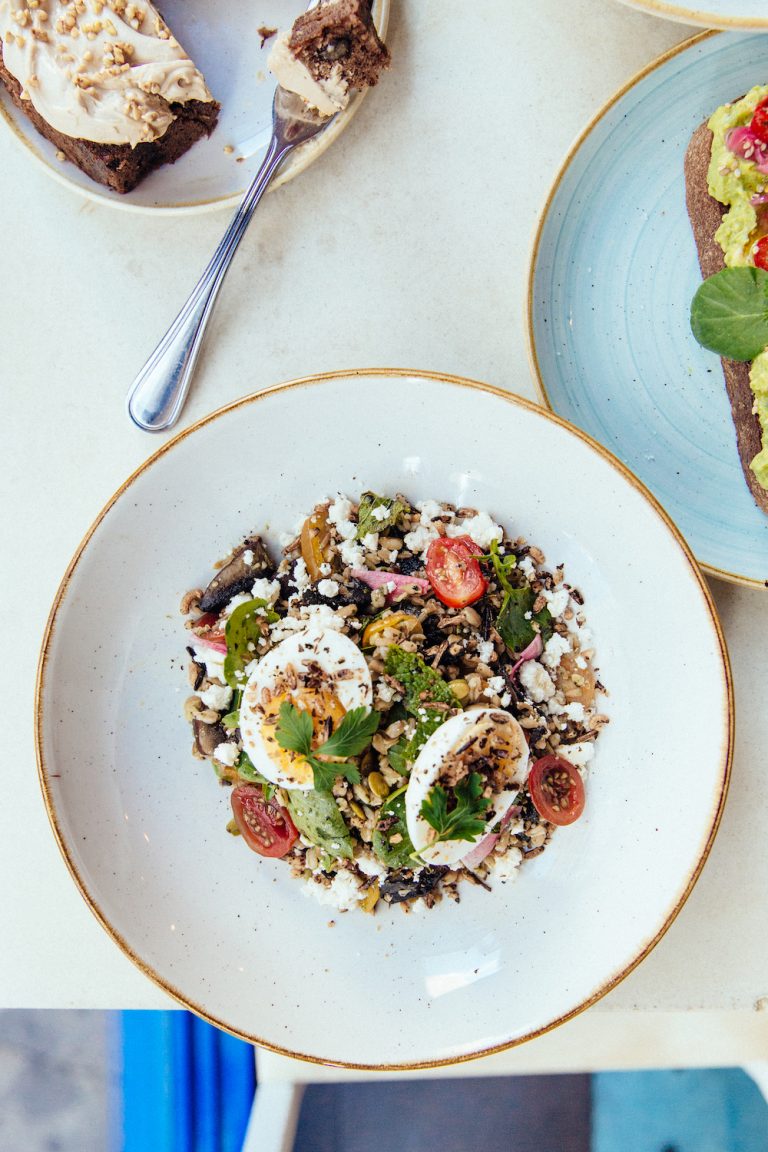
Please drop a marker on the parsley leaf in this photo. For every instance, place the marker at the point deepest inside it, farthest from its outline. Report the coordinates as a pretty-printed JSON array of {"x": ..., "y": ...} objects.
[
  {"x": 423, "y": 688},
  {"x": 353, "y": 735},
  {"x": 464, "y": 821},
  {"x": 295, "y": 729},
  {"x": 367, "y": 522}
]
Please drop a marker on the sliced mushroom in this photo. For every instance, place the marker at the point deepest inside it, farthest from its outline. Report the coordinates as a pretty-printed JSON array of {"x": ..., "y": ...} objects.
[
  {"x": 237, "y": 576},
  {"x": 208, "y": 736},
  {"x": 196, "y": 670}
]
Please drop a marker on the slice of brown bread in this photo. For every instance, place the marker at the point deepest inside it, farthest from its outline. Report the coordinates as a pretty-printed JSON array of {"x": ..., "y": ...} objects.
[
  {"x": 121, "y": 166},
  {"x": 705, "y": 214}
]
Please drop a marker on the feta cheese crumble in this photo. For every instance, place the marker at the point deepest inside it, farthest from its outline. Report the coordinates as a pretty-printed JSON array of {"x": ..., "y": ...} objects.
[
  {"x": 344, "y": 892},
  {"x": 328, "y": 588},
  {"x": 217, "y": 696},
  {"x": 536, "y": 681},
  {"x": 226, "y": 754}
]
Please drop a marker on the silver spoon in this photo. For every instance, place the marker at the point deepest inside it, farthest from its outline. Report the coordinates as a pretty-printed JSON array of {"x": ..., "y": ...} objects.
[{"x": 157, "y": 395}]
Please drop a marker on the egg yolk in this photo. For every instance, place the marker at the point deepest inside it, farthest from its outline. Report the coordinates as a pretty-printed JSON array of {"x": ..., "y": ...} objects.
[{"x": 323, "y": 705}]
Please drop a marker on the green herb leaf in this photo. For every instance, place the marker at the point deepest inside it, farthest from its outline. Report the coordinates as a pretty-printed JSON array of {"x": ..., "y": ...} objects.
[
  {"x": 729, "y": 313},
  {"x": 367, "y": 522},
  {"x": 502, "y": 565},
  {"x": 317, "y": 816},
  {"x": 245, "y": 627},
  {"x": 353, "y": 734},
  {"x": 462, "y": 822},
  {"x": 294, "y": 729},
  {"x": 515, "y": 628},
  {"x": 391, "y": 823}
]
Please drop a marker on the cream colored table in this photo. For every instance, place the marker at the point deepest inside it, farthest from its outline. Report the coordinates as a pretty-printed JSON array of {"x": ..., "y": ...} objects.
[{"x": 407, "y": 245}]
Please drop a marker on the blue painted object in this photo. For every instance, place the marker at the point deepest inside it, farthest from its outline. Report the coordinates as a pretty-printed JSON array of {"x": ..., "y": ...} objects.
[
  {"x": 185, "y": 1086},
  {"x": 711, "y": 1110},
  {"x": 615, "y": 273}
]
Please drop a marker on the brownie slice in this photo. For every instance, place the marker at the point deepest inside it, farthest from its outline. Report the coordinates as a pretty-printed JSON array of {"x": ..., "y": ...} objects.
[
  {"x": 121, "y": 166},
  {"x": 340, "y": 33}
]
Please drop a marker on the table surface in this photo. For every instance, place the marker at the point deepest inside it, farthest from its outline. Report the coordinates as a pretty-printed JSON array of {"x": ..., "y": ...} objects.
[{"x": 417, "y": 225}]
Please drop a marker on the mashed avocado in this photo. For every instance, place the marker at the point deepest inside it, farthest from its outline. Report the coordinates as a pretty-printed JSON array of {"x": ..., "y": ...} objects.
[
  {"x": 733, "y": 180},
  {"x": 758, "y": 378}
]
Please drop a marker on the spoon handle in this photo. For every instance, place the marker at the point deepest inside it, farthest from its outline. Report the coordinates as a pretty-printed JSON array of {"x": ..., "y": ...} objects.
[{"x": 158, "y": 393}]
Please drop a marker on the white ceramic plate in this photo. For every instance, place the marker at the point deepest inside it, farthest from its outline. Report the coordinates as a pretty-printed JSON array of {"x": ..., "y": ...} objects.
[
  {"x": 715, "y": 14},
  {"x": 223, "y": 41},
  {"x": 142, "y": 825}
]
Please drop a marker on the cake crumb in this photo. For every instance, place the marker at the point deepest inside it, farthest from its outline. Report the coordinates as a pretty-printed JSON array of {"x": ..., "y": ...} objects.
[
  {"x": 60, "y": 155},
  {"x": 266, "y": 34},
  {"x": 229, "y": 149}
]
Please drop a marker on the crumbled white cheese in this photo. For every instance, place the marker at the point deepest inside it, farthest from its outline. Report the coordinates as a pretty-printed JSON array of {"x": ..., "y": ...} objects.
[
  {"x": 338, "y": 514},
  {"x": 325, "y": 569},
  {"x": 573, "y": 711},
  {"x": 314, "y": 616},
  {"x": 370, "y": 865},
  {"x": 480, "y": 528},
  {"x": 226, "y": 754},
  {"x": 429, "y": 509},
  {"x": 344, "y": 892},
  {"x": 235, "y": 602},
  {"x": 268, "y": 590},
  {"x": 248, "y": 557},
  {"x": 392, "y": 556},
  {"x": 485, "y": 651},
  {"x": 527, "y": 567},
  {"x": 419, "y": 539},
  {"x": 557, "y": 601},
  {"x": 536, "y": 681},
  {"x": 212, "y": 660},
  {"x": 217, "y": 696},
  {"x": 494, "y": 686},
  {"x": 505, "y": 868},
  {"x": 371, "y": 541},
  {"x": 300, "y": 576},
  {"x": 554, "y": 650},
  {"x": 380, "y": 512},
  {"x": 505, "y": 700},
  {"x": 580, "y": 755},
  {"x": 328, "y": 588},
  {"x": 352, "y": 554}
]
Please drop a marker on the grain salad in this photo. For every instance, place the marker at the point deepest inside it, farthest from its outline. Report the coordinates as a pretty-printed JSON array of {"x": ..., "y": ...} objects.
[{"x": 405, "y": 699}]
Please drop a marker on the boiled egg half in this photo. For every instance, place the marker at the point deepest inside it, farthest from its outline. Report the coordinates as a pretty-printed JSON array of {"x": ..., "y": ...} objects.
[
  {"x": 321, "y": 672},
  {"x": 484, "y": 740}
]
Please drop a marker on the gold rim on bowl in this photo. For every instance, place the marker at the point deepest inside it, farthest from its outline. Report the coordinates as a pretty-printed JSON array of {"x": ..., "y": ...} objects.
[
  {"x": 694, "y": 16},
  {"x": 510, "y": 398}
]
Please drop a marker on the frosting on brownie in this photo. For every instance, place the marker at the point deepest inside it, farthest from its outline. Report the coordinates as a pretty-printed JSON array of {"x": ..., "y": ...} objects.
[
  {"x": 105, "y": 72},
  {"x": 328, "y": 95}
]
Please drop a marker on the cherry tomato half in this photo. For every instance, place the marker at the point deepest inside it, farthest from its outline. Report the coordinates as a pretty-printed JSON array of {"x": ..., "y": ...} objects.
[
  {"x": 265, "y": 826},
  {"x": 214, "y": 635},
  {"x": 759, "y": 121},
  {"x": 557, "y": 790},
  {"x": 454, "y": 572},
  {"x": 760, "y": 253}
]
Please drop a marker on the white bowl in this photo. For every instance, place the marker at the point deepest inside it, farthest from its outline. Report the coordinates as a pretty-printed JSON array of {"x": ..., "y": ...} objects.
[{"x": 141, "y": 824}]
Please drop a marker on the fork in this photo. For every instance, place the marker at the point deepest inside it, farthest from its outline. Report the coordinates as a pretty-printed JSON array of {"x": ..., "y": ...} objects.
[{"x": 157, "y": 395}]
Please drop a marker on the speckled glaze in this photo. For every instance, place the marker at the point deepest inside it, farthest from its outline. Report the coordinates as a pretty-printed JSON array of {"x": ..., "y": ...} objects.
[
  {"x": 141, "y": 823},
  {"x": 613, "y": 273},
  {"x": 223, "y": 42}
]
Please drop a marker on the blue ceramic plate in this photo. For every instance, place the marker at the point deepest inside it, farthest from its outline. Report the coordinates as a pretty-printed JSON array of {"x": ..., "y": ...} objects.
[{"x": 613, "y": 271}]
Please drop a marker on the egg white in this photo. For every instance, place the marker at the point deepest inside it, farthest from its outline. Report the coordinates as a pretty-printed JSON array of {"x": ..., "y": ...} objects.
[
  {"x": 428, "y": 767},
  {"x": 345, "y": 671}
]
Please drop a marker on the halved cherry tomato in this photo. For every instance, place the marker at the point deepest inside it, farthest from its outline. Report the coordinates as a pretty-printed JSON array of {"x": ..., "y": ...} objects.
[
  {"x": 557, "y": 790},
  {"x": 454, "y": 572},
  {"x": 214, "y": 635},
  {"x": 265, "y": 826},
  {"x": 760, "y": 253},
  {"x": 759, "y": 121}
]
